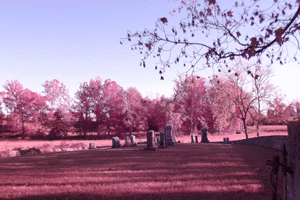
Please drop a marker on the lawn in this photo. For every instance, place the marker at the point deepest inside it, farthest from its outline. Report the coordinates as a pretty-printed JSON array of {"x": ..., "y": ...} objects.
[
  {"x": 58, "y": 145},
  {"x": 185, "y": 171}
]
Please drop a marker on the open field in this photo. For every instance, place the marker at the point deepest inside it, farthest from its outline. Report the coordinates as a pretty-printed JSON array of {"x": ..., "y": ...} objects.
[
  {"x": 185, "y": 171},
  {"x": 6, "y": 145}
]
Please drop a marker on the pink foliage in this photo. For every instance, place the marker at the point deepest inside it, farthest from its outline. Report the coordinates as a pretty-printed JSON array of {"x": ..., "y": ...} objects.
[{"x": 23, "y": 102}]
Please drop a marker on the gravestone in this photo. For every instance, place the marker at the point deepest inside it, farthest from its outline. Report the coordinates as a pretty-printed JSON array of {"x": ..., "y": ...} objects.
[
  {"x": 157, "y": 139},
  {"x": 196, "y": 138},
  {"x": 204, "y": 135},
  {"x": 292, "y": 189},
  {"x": 224, "y": 140},
  {"x": 192, "y": 138},
  {"x": 132, "y": 138},
  {"x": 162, "y": 142},
  {"x": 92, "y": 146},
  {"x": 150, "y": 141},
  {"x": 170, "y": 139},
  {"x": 115, "y": 142},
  {"x": 127, "y": 141}
]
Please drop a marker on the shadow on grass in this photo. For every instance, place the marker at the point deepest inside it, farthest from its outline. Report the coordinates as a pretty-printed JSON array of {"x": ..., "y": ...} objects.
[
  {"x": 151, "y": 196},
  {"x": 185, "y": 171}
]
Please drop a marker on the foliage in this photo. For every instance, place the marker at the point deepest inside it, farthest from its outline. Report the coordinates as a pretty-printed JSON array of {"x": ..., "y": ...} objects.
[
  {"x": 134, "y": 112},
  {"x": 23, "y": 102},
  {"x": 58, "y": 115},
  {"x": 106, "y": 108},
  {"x": 191, "y": 101},
  {"x": 219, "y": 31}
]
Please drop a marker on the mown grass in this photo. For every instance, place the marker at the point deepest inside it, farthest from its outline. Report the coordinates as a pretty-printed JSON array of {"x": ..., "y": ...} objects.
[{"x": 185, "y": 171}]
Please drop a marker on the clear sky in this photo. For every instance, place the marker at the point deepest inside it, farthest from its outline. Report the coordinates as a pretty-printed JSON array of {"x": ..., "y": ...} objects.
[{"x": 76, "y": 40}]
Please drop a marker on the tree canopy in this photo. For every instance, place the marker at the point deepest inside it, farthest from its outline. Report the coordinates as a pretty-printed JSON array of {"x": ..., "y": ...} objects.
[{"x": 219, "y": 31}]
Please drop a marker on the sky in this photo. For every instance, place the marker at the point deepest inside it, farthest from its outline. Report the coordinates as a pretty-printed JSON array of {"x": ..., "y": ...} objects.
[{"x": 75, "y": 41}]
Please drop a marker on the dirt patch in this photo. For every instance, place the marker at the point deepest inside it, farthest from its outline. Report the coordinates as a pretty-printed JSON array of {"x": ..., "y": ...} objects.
[{"x": 185, "y": 171}]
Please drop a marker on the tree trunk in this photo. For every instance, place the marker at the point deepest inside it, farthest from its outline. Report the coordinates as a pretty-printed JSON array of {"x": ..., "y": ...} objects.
[
  {"x": 245, "y": 128},
  {"x": 1, "y": 123},
  {"x": 258, "y": 117},
  {"x": 191, "y": 132},
  {"x": 23, "y": 128},
  {"x": 257, "y": 128}
]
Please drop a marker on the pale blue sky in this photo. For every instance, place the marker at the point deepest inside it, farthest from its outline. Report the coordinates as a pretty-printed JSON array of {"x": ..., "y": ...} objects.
[{"x": 74, "y": 41}]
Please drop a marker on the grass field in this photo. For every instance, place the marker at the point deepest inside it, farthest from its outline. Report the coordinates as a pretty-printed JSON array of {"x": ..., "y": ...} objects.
[
  {"x": 6, "y": 145},
  {"x": 185, "y": 171}
]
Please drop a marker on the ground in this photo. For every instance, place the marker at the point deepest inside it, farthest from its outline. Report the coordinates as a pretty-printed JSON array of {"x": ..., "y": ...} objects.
[{"x": 185, "y": 171}]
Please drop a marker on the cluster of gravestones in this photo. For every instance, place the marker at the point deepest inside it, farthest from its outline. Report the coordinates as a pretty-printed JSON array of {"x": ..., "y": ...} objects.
[
  {"x": 129, "y": 141},
  {"x": 194, "y": 138},
  {"x": 165, "y": 138},
  {"x": 226, "y": 140}
]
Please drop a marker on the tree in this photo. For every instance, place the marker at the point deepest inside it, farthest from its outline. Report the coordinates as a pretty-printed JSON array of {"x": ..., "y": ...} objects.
[
  {"x": 217, "y": 32},
  {"x": 164, "y": 113},
  {"x": 2, "y": 115},
  {"x": 83, "y": 107},
  {"x": 113, "y": 106},
  {"x": 135, "y": 113},
  {"x": 224, "y": 119},
  {"x": 57, "y": 96},
  {"x": 263, "y": 91},
  {"x": 100, "y": 104},
  {"x": 239, "y": 100},
  {"x": 296, "y": 106},
  {"x": 23, "y": 102},
  {"x": 276, "y": 113},
  {"x": 150, "y": 113},
  {"x": 191, "y": 102},
  {"x": 59, "y": 104}
]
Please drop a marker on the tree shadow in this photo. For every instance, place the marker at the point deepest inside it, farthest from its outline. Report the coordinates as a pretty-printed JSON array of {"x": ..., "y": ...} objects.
[{"x": 185, "y": 171}]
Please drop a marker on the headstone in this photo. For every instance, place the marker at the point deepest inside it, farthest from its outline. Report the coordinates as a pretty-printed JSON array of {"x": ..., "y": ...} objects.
[
  {"x": 127, "y": 141},
  {"x": 157, "y": 139},
  {"x": 162, "y": 143},
  {"x": 204, "y": 135},
  {"x": 132, "y": 138},
  {"x": 170, "y": 139},
  {"x": 196, "y": 138},
  {"x": 192, "y": 138},
  {"x": 115, "y": 142},
  {"x": 150, "y": 141},
  {"x": 92, "y": 146},
  {"x": 226, "y": 140}
]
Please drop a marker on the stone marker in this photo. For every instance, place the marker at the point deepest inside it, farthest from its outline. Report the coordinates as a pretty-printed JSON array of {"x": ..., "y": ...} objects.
[
  {"x": 192, "y": 138},
  {"x": 127, "y": 141},
  {"x": 204, "y": 135},
  {"x": 132, "y": 138},
  {"x": 92, "y": 146},
  {"x": 196, "y": 138},
  {"x": 162, "y": 143},
  {"x": 157, "y": 139},
  {"x": 115, "y": 142},
  {"x": 170, "y": 139},
  {"x": 150, "y": 141}
]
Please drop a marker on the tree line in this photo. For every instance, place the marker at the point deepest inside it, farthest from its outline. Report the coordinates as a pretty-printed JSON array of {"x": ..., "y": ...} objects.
[{"x": 225, "y": 102}]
